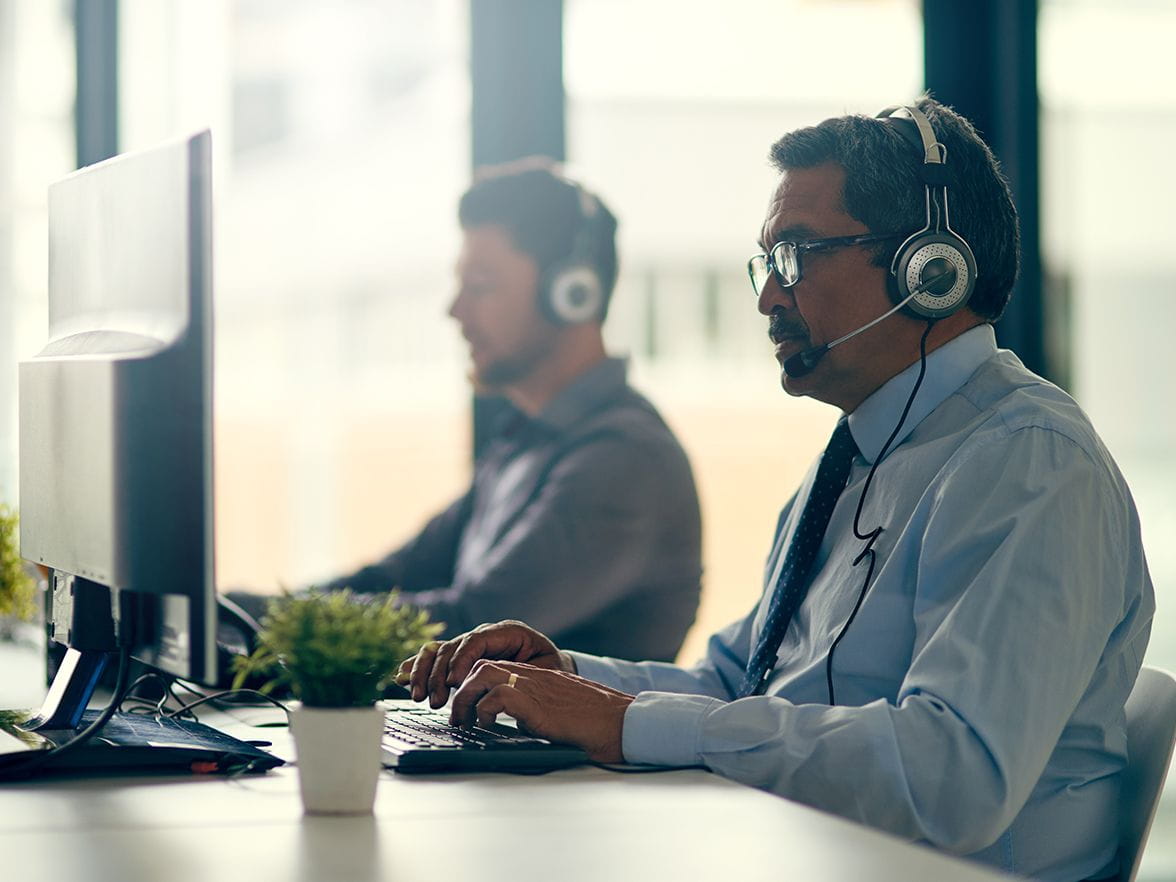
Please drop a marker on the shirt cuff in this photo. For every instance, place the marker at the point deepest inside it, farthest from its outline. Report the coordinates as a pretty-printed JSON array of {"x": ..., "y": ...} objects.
[
  {"x": 590, "y": 667},
  {"x": 663, "y": 728}
]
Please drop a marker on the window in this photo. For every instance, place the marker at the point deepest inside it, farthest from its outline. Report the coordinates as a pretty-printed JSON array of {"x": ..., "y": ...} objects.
[
  {"x": 670, "y": 117},
  {"x": 36, "y": 148},
  {"x": 1108, "y": 125},
  {"x": 341, "y": 145}
]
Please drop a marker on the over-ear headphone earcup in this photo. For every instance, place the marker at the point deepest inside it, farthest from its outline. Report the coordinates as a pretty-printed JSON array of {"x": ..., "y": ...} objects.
[
  {"x": 572, "y": 295},
  {"x": 922, "y": 259}
]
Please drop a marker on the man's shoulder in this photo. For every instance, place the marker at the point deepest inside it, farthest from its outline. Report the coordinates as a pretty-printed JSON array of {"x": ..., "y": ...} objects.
[
  {"x": 1003, "y": 402},
  {"x": 625, "y": 442},
  {"x": 630, "y": 416}
]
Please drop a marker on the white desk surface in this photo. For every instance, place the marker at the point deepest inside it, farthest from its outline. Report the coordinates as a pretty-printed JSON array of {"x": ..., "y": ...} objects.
[{"x": 578, "y": 824}]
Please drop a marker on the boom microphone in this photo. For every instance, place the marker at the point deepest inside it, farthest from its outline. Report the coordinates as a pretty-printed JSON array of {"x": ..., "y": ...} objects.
[{"x": 804, "y": 362}]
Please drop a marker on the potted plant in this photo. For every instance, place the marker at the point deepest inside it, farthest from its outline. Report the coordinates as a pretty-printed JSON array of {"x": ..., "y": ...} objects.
[
  {"x": 336, "y": 653},
  {"x": 17, "y": 589}
]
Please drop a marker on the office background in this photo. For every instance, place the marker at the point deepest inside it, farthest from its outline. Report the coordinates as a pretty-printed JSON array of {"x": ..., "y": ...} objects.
[{"x": 345, "y": 131}]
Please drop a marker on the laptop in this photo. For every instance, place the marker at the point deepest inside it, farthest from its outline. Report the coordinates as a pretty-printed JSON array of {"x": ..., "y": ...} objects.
[{"x": 420, "y": 739}]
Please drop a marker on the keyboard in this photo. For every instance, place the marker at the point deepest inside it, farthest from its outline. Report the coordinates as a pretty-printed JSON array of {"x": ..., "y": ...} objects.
[{"x": 420, "y": 739}]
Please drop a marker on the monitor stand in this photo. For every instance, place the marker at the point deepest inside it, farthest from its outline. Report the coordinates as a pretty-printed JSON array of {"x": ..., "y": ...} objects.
[{"x": 71, "y": 690}]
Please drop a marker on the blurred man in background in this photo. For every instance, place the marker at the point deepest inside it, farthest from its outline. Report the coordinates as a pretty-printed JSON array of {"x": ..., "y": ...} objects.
[{"x": 582, "y": 515}]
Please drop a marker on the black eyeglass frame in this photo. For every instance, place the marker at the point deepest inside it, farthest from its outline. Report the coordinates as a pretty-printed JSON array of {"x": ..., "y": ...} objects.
[{"x": 770, "y": 259}]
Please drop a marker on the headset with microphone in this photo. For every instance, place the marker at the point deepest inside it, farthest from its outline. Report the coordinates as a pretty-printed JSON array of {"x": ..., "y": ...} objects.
[
  {"x": 804, "y": 362},
  {"x": 933, "y": 271},
  {"x": 571, "y": 291}
]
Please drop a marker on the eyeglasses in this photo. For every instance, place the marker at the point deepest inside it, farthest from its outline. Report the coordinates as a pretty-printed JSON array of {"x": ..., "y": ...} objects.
[{"x": 784, "y": 258}]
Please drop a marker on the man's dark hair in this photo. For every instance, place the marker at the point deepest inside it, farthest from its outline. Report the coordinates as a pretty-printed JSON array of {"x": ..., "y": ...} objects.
[
  {"x": 543, "y": 213},
  {"x": 884, "y": 189}
]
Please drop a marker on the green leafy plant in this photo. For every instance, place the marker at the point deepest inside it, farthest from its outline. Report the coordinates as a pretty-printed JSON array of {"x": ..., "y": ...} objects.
[
  {"x": 17, "y": 588},
  {"x": 333, "y": 649}
]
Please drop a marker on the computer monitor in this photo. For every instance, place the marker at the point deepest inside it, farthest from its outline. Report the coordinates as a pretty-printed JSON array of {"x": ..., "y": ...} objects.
[{"x": 116, "y": 454}]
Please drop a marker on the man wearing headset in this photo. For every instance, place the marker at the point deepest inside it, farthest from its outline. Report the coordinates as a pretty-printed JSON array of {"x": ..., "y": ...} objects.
[
  {"x": 582, "y": 516},
  {"x": 956, "y": 604}
]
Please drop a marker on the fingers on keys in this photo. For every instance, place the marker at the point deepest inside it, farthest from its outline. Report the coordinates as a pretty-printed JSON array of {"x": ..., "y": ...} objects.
[
  {"x": 422, "y": 666},
  {"x": 439, "y": 678},
  {"x": 490, "y": 689}
]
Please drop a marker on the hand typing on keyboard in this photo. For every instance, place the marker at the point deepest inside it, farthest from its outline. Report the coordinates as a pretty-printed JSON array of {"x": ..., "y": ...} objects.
[
  {"x": 442, "y": 665},
  {"x": 513, "y": 669}
]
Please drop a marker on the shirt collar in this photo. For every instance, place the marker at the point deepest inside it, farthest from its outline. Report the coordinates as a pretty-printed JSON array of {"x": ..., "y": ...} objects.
[
  {"x": 597, "y": 385},
  {"x": 948, "y": 368}
]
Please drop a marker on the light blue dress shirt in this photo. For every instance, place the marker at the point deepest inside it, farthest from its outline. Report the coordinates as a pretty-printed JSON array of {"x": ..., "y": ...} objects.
[{"x": 980, "y": 689}]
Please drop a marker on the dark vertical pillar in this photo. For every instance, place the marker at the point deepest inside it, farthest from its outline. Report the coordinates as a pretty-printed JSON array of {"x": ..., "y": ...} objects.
[
  {"x": 516, "y": 73},
  {"x": 981, "y": 58},
  {"x": 96, "y": 28},
  {"x": 516, "y": 76}
]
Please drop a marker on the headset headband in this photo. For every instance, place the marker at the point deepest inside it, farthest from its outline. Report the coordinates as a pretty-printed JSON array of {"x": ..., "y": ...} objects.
[{"x": 922, "y": 136}]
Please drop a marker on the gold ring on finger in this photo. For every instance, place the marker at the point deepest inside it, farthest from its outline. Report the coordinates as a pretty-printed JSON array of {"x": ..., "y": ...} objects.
[{"x": 514, "y": 678}]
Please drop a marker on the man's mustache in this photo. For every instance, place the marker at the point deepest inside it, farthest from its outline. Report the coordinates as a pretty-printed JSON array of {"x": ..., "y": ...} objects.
[{"x": 781, "y": 326}]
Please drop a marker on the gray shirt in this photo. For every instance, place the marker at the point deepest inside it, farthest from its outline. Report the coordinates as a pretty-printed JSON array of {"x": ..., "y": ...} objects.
[{"x": 583, "y": 522}]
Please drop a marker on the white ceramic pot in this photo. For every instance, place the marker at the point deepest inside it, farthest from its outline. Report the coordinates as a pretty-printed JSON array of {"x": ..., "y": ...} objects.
[{"x": 338, "y": 757}]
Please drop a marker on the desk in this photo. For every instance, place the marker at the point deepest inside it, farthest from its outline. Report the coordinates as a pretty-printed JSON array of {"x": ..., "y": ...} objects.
[{"x": 577, "y": 824}]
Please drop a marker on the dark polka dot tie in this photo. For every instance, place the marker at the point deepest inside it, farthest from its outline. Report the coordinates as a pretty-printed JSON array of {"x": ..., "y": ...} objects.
[{"x": 792, "y": 585}]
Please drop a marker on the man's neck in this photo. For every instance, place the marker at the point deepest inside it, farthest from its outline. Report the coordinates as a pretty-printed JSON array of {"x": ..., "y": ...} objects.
[
  {"x": 943, "y": 332},
  {"x": 535, "y": 391}
]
